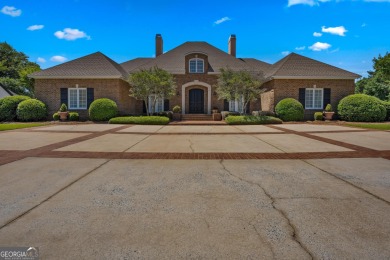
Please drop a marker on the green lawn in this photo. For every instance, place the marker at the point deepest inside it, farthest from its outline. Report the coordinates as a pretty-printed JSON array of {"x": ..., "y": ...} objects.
[
  {"x": 371, "y": 126},
  {"x": 4, "y": 127}
]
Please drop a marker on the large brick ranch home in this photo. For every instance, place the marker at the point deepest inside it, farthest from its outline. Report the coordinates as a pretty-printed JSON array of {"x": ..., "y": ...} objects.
[{"x": 195, "y": 66}]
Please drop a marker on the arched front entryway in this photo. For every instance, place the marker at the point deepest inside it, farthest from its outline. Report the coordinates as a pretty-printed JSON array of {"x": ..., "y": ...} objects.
[
  {"x": 192, "y": 92},
  {"x": 196, "y": 101}
]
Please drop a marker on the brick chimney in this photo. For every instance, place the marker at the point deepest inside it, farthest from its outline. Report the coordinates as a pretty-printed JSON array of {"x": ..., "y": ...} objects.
[
  {"x": 159, "y": 45},
  {"x": 232, "y": 45}
]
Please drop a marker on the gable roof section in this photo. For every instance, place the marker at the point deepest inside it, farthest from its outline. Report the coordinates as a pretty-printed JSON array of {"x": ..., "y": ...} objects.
[
  {"x": 257, "y": 65},
  {"x": 135, "y": 63},
  {"x": 295, "y": 66},
  {"x": 95, "y": 65},
  {"x": 173, "y": 61}
]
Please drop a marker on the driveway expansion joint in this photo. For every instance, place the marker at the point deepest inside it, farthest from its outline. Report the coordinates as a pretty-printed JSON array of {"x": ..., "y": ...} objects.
[
  {"x": 347, "y": 182},
  {"x": 53, "y": 195},
  {"x": 294, "y": 233}
]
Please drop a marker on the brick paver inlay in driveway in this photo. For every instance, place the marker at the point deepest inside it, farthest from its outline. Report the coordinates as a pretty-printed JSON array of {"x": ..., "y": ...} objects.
[{"x": 261, "y": 192}]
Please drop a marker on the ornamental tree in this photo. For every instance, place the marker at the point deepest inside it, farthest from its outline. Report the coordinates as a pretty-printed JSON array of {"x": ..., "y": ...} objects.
[
  {"x": 151, "y": 84},
  {"x": 239, "y": 85}
]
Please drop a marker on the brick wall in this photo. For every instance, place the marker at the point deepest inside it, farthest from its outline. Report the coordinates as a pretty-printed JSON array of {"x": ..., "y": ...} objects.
[
  {"x": 48, "y": 90},
  {"x": 290, "y": 88},
  {"x": 267, "y": 101}
]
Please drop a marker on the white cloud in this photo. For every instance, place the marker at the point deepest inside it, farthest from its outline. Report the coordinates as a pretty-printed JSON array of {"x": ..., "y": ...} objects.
[
  {"x": 300, "y": 48},
  {"x": 222, "y": 20},
  {"x": 58, "y": 59},
  {"x": 317, "y": 34},
  {"x": 317, "y": 2},
  {"x": 301, "y": 2},
  {"x": 35, "y": 27},
  {"x": 11, "y": 10},
  {"x": 320, "y": 46},
  {"x": 285, "y": 53},
  {"x": 71, "y": 34},
  {"x": 339, "y": 30},
  {"x": 41, "y": 60}
]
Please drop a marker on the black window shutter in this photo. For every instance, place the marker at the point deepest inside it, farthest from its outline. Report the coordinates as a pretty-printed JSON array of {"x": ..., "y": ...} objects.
[
  {"x": 302, "y": 96},
  {"x": 225, "y": 105},
  {"x": 90, "y": 96},
  {"x": 143, "y": 107},
  {"x": 64, "y": 96},
  {"x": 248, "y": 107},
  {"x": 326, "y": 97},
  {"x": 166, "y": 104}
]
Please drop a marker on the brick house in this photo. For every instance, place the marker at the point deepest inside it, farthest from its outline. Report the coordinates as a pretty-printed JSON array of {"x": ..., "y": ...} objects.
[{"x": 195, "y": 66}]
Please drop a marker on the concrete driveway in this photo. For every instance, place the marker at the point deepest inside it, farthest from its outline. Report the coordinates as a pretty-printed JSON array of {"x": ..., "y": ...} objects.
[{"x": 205, "y": 192}]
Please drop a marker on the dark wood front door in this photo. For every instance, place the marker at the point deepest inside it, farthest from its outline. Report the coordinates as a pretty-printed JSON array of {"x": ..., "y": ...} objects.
[{"x": 196, "y": 101}]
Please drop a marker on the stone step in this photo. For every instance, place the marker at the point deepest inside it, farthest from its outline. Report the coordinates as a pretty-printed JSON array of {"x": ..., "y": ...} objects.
[{"x": 197, "y": 117}]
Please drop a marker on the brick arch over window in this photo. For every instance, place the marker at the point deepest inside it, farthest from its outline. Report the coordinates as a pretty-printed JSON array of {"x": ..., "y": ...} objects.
[{"x": 195, "y": 83}]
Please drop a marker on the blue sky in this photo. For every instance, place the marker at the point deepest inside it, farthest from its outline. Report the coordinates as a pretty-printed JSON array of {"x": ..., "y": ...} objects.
[{"x": 344, "y": 33}]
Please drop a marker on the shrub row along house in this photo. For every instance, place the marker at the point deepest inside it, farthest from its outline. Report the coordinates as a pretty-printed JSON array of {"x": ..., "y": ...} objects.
[{"x": 195, "y": 67}]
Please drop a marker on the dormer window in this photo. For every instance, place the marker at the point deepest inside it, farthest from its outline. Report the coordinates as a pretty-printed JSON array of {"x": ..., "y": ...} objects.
[{"x": 196, "y": 65}]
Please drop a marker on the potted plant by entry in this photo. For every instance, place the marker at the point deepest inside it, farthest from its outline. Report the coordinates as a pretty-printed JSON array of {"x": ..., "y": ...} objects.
[
  {"x": 214, "y": 110},
  {"x": 176, "y": 113},
  {"x": 63, "y": 113},
  {"x": 328, "y": 112}
]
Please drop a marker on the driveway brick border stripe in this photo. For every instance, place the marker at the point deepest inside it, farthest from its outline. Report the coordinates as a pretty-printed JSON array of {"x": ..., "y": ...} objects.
[{"x": 8, "y": 156}]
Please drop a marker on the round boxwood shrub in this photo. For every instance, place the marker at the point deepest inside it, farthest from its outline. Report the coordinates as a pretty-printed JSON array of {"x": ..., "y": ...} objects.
[
  {"x": 31, "y": 110},
  {"x": 103, "y": 109},
  {"x": 361, "y": 108},
  {"x": 289, "y": 109},
  {"x": 73, "y": 116},
  {"x": 318, "y": 116},
  {"x": 56, "y": 116},
  {"x": 8, "y": 107}
]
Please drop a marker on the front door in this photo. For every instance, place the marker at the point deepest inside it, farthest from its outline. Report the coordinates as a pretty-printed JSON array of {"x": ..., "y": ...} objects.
[{"x": 196, "y": 101}]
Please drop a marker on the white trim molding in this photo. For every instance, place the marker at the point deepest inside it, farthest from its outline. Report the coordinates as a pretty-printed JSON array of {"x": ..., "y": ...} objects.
[{"x": 195, "y": 83}]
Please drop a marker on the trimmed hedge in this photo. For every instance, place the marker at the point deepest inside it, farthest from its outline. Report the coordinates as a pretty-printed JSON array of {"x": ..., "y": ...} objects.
[
  {"x": 318, "y": 116},
  {"x": 8, "y": 106},
  {"x": 289, "y": 109},
  {"x": 103, "y": 109},
  {"x": 252, "y": 120},
  {"x": 73, "y": 116},
  {"x": 168, "y": 114},
  {"x": 387, "y": 106},
  {"x": 361, "y": 108},
  {"x": 31, "y": 110},
  {"x": 141, "y": 120}
]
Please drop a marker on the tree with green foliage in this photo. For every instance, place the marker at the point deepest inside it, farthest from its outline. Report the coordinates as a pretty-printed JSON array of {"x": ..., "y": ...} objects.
[
  {"x": 150, "y": 85},
  {"x": 241, "y": 85},
  {"x": 14, "y": 70},
  {"x": 377, "y": 83}
]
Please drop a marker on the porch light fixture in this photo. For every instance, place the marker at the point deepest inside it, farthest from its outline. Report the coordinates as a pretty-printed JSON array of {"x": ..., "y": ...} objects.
[{"x": 177, "y": 93}]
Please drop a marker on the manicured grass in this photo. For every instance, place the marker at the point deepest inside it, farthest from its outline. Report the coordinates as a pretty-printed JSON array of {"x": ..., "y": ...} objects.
[
  {"x": 252, "y": 120},
  {"x": 372, "y": 126},
  {"x": 4, "y": 127},
  {"x": 140, "y": 120}
]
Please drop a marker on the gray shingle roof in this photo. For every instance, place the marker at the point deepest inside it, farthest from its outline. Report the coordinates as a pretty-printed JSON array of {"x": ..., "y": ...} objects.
[
  {"x": 135, "y": 63},
  {"x": 297, "y": 66},
  {"x": 95, "y": 65},
  {"x": 173, "y": 61},
  {"x": 4, "y": 92}
]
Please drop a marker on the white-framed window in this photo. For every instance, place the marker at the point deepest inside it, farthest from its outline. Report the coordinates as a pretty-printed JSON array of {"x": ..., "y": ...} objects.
[
  {"x": 77, "y": 98},
  {"x": 314, "y": 98},
  {"x": 196, "y": 65},
  {"x": 158, "y": 107},
  {"x": 236, "y": 105}
]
